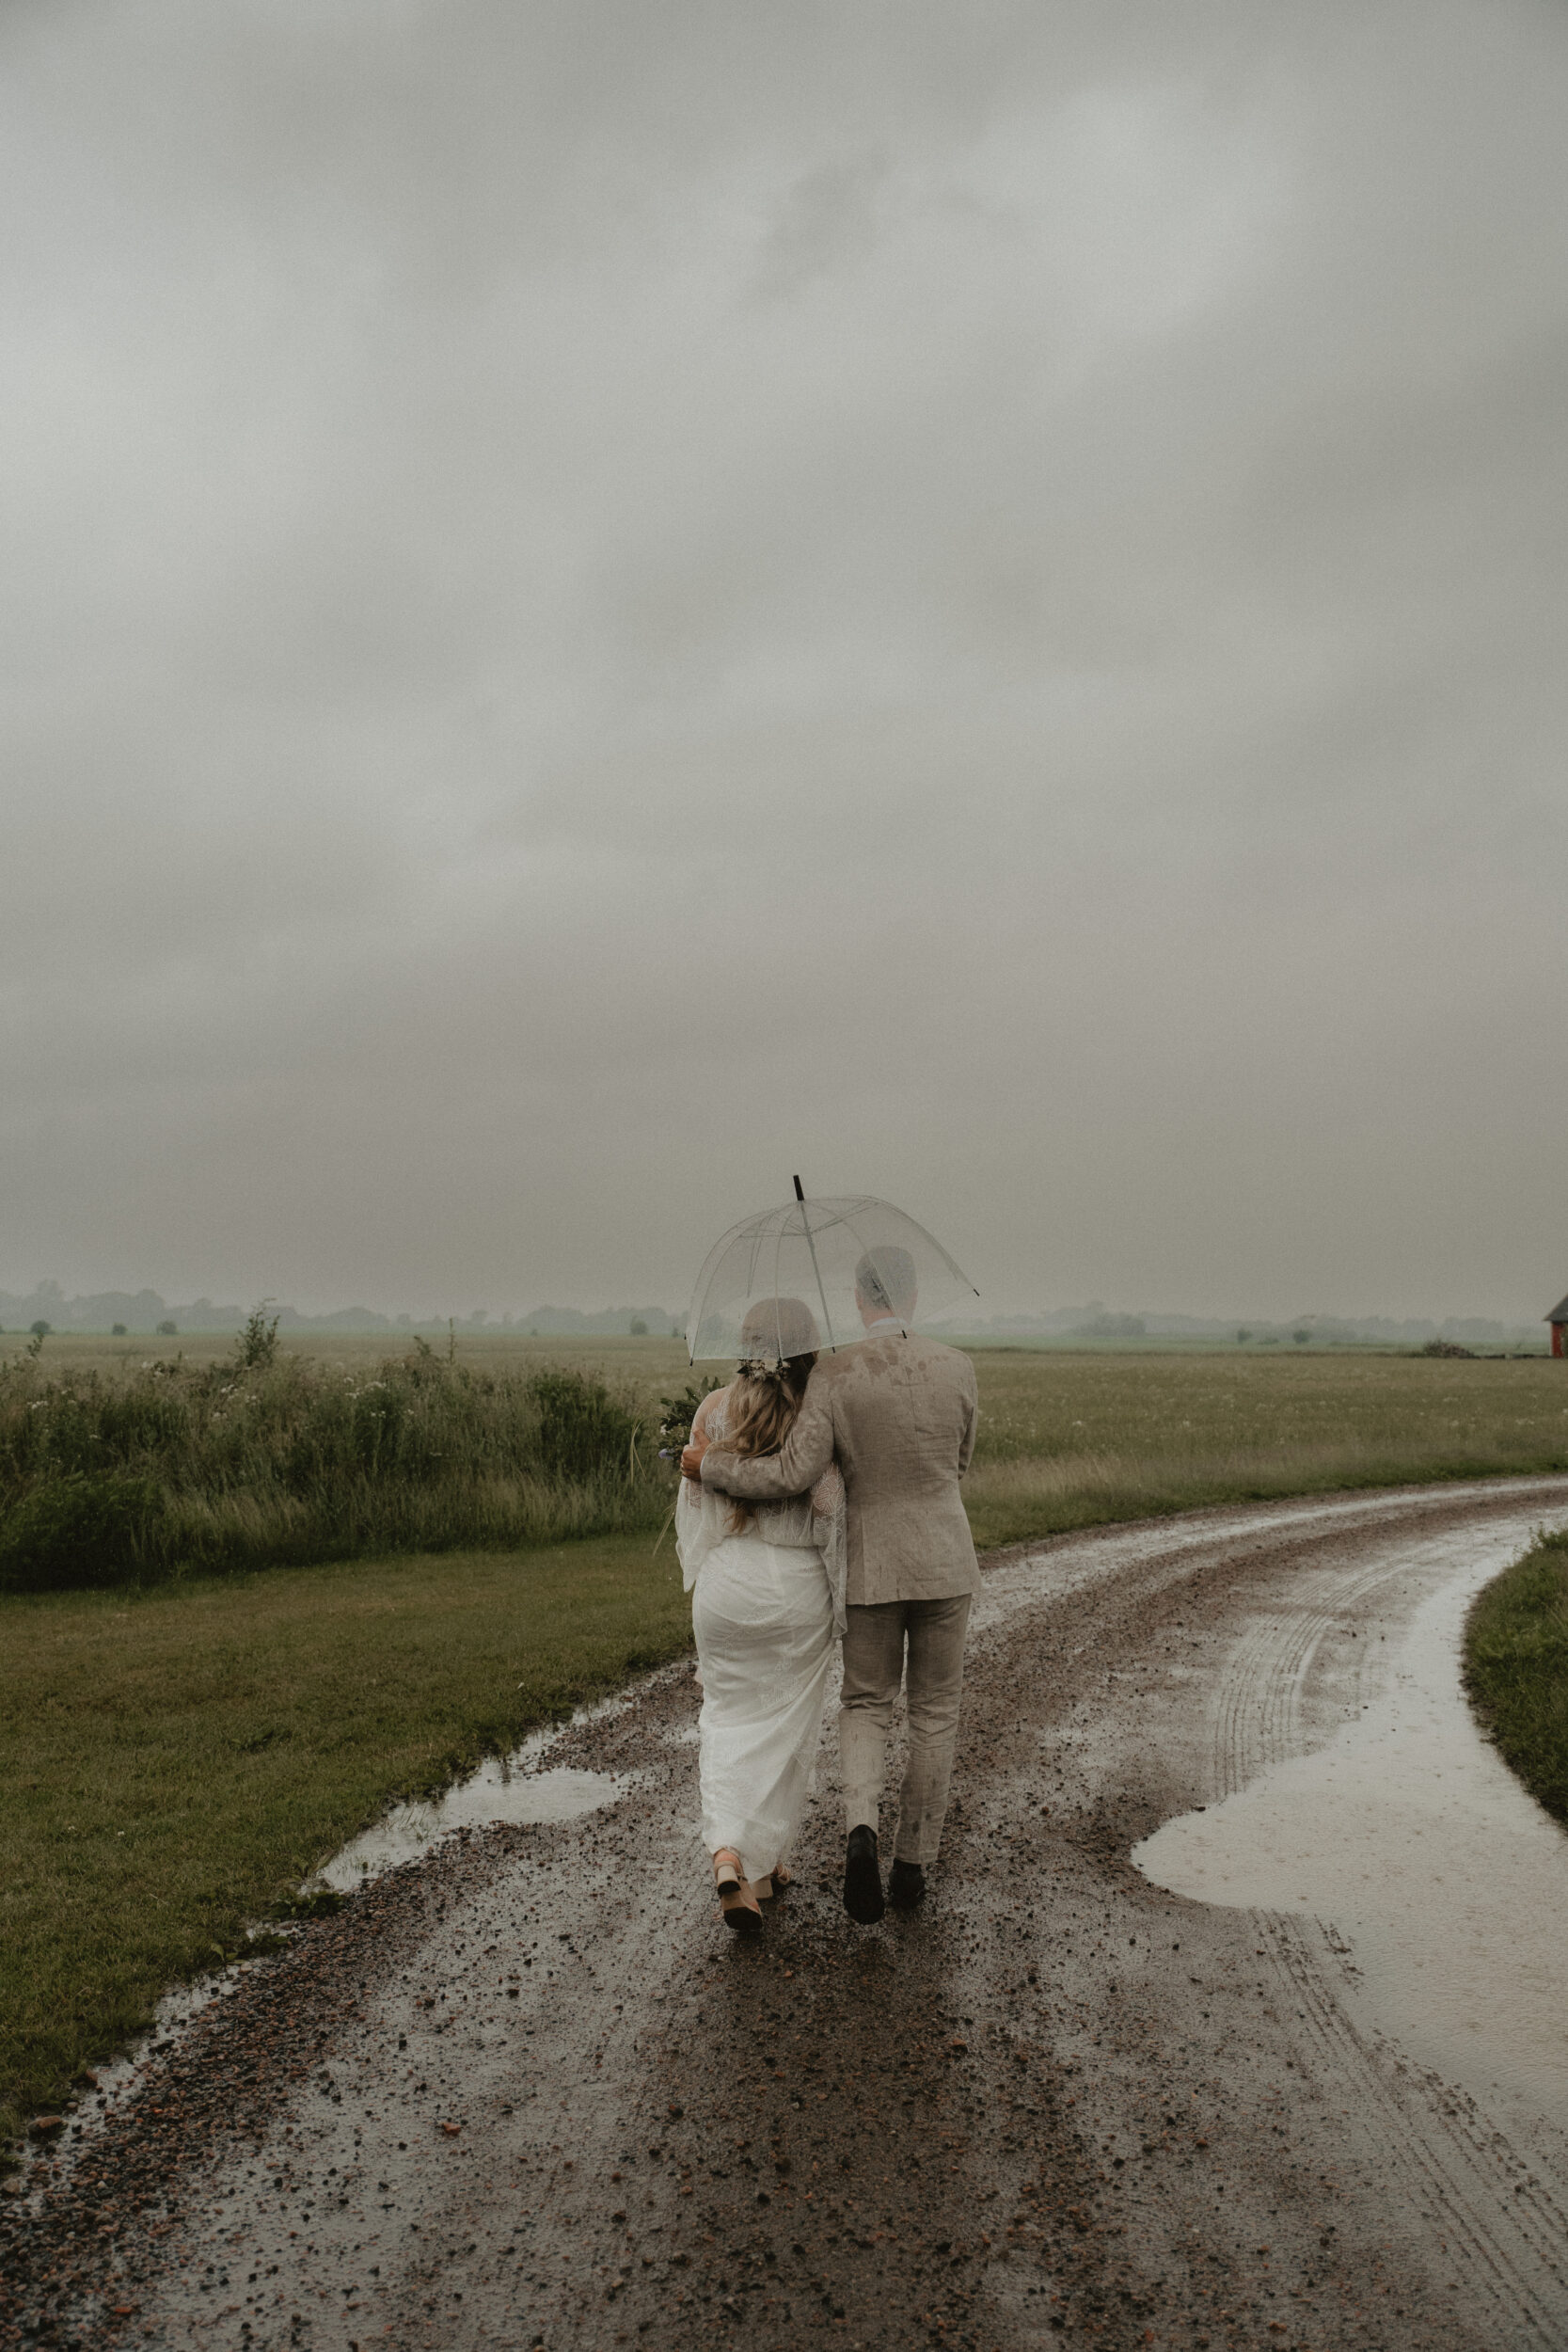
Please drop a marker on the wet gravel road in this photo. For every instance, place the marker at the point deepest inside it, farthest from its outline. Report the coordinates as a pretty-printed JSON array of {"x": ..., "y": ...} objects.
[{"x": 526, "y": 2093}]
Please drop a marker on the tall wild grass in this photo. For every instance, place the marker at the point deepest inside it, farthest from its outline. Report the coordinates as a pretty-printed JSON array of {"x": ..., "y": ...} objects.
[{"x": 273, "y": 1458}]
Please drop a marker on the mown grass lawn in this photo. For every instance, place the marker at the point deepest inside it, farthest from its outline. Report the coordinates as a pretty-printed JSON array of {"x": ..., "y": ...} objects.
[
  {"x": 175, "y": 1762},
  {"x": 1517, "y": 1667}
]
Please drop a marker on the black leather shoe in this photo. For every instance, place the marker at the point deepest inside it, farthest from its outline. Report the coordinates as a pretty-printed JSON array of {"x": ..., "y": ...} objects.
[
  {"x": 863, "y": 1878},
  {"x": 905, "y": 1886}
]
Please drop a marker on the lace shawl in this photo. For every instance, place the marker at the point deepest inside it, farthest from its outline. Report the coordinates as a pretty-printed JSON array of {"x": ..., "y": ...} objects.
[{"x": 814, "y": 1521}]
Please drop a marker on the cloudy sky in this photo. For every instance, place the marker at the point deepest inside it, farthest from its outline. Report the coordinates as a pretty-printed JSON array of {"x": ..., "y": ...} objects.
[{"x": 604, "y": 601}]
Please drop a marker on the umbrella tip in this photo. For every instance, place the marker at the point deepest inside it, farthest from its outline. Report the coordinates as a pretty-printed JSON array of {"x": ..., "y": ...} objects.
[{"x": 798, "y": 1194}]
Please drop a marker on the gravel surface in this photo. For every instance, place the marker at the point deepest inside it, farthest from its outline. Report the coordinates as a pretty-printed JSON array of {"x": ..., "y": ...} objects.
[{"x": 526, "y": 2092}]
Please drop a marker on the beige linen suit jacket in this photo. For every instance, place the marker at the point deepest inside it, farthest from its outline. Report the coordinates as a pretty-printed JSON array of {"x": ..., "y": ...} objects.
[{"x": 899, "y": 1415}]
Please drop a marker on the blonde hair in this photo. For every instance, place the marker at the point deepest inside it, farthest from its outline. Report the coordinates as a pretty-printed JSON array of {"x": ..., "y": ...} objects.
[{"x": 764, "y": 1399}]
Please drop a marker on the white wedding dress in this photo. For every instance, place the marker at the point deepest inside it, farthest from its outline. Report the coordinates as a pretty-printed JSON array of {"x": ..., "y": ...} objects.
[{"x": 765, "y": 1607}]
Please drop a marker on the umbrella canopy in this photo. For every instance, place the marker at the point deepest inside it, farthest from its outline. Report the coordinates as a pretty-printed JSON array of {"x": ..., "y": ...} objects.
[{"x": 785, "y": 1282}]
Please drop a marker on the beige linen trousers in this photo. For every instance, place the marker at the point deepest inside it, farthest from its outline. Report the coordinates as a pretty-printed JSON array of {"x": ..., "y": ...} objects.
[{"x": 898, "y": 1413}]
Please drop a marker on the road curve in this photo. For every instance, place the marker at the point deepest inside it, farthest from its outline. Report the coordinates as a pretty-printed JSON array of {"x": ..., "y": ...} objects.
[{"x": 522, "y": 2093}]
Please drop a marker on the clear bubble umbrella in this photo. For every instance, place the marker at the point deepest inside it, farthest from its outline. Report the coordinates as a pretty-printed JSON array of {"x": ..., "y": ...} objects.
[{"x": 788, "y": 1281}]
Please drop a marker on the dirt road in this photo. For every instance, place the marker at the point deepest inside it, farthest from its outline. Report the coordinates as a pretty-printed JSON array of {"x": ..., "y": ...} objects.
[{"x": 523, "y": 2093}]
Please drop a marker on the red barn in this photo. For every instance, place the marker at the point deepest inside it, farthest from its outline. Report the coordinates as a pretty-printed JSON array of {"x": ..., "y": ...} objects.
[{"x": 1558, "y": 1321}]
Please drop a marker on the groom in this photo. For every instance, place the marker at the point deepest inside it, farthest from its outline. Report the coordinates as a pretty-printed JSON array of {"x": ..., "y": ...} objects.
[{"x": 899, "y": 1414}]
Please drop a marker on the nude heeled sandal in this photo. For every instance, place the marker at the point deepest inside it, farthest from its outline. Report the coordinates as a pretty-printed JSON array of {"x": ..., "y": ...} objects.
[{"x": 738, "y": 1905}]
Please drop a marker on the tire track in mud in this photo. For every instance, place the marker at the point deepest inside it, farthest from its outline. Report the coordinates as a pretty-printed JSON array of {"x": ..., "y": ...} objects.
[{"x": 1455, "y": 2165}]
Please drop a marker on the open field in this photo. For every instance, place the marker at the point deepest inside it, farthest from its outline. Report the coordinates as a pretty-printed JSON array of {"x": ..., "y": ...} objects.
[
  {"x": 175, "y": 1762},
  {"x": 656, "y": 1359},
  {"x": 179, "y": 1757},
  {"x": 1068, "y": 1440},
  {"x": 1516, "y": 1666},
  {"x": 151, "y": 1467}
]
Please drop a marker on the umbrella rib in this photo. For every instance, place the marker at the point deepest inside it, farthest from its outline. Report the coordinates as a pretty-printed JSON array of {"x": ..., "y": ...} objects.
[
  {"x": 757, "y": 1239},
  {"x": 778, "y": 1252},
  {"x": 810, "y": 1245}
]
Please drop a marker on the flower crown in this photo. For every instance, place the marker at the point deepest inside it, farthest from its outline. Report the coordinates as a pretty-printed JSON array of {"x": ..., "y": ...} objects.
[{"x": 758, "y": 1368}]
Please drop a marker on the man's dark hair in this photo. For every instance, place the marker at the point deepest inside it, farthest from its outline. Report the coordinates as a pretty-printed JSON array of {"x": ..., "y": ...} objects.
[{"x": 885, "y": 1278}]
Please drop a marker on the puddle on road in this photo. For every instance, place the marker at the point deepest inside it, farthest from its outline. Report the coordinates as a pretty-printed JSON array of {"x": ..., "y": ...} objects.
[
  {"x": 497, "y": 1792},
  {"x": 505, "y": 1788},
  {"x": 1410, "y": 1837}
]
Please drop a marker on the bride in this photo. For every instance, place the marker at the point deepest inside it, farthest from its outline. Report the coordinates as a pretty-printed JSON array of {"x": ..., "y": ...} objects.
[{"x": 768, "y": 1582}]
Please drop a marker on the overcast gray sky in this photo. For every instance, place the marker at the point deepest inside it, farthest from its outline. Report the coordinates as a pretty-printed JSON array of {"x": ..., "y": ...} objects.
[{"x": 605, "y": 601}]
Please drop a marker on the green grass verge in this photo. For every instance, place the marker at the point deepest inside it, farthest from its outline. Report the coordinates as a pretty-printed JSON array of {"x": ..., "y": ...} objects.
[
  {"x": 176, "y": 1761},
  {"x": 1516, "y": 1668}
]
